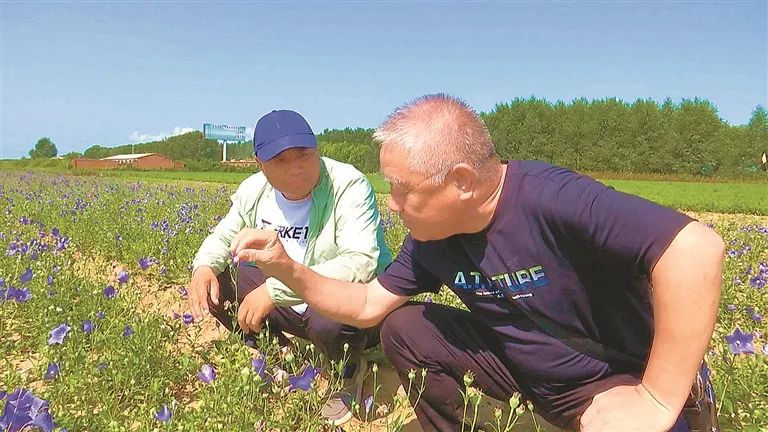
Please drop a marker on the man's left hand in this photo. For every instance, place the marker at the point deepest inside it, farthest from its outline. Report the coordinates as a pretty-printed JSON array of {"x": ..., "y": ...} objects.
[
  {"x": 254, "y": 308},
  {"x": 627, "y": 408}
]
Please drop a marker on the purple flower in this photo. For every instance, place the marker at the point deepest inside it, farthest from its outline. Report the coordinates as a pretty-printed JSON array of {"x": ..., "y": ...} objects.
[
  {"x": 102, "y": 366},
  {"x": 123, "y": 276},
  {"x": 49, "y": 281},
  {"x": 368, "y": 404},
  {"x": 187, "y": 318},
  {"x": 304, "y": 381},
  {"x": 26, "y": 276},
  {"x": 183, "y": 291},
  {"x": 757, "y": 317},
  {"x": 100, "y": 315},
  {"x": 207, "y": 374},
  {"x": 164, "y": 414},
  {"x": 163, "y": 271},
  {"x": 128, "y": 331},
  {"x": 110, "y": 292},
  {"x": 259, "y": 366},
  {"x": 58, "y": 334},
  {"x": 757, "y": 282},
  {"x": 145, "y": 263},
  {"x": 52, "y": 372},
  {"x": 731, "y": 308},
  {"x": 88, "y": 326},
  {"x": 23, "y": 410},
  {"x": 19, "y": 295},
  {"x": 733, "y": 253},
  {"x": 2, "y": 282},
  {"x": 740, "y": 342}
]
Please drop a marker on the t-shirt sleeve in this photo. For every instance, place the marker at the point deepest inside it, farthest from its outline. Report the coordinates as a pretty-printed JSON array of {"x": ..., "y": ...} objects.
[
  {"x": 614, "y": 227},
  {"x": 406, "y": 276}
]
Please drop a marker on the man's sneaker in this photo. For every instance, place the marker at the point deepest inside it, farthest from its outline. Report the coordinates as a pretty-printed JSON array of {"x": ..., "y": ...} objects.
[{"x": 338, "y": 409}]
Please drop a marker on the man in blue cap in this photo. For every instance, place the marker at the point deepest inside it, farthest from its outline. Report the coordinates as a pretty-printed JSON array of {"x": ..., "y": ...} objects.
[{"x": 325, "y": 214}]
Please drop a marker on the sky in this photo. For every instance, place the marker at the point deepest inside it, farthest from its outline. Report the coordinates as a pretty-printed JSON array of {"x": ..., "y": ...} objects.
[{"x": 115, "y": 72}]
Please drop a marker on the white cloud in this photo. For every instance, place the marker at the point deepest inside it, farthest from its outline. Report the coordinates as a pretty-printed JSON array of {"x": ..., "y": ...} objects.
[{"x": 137, "y": 137}]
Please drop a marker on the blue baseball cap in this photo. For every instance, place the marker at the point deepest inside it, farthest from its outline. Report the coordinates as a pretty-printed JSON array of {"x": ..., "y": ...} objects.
[{"x": 279, "y": 131}]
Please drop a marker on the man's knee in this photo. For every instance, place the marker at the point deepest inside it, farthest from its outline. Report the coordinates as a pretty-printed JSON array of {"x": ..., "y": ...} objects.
[{"x": 398, "y": 329}]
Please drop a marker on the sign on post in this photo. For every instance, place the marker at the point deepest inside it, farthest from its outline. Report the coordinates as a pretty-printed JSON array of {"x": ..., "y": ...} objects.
[{"x": 224, "y": 133}]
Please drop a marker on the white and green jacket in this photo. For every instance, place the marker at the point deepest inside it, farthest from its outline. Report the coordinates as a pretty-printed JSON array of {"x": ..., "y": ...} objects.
[{"x": 345, "y": 240}]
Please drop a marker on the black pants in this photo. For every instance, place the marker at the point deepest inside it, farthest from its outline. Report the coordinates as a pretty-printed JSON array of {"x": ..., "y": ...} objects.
[
  {"x": 448, "y": 342},
  {"x": 328, "y": 335}
]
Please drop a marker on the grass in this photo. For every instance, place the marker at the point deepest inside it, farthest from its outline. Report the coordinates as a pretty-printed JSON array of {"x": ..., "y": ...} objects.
[{"x": 109, "y": 381}]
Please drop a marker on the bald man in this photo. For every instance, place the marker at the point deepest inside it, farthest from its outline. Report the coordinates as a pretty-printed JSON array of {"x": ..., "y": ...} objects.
[{"x": 595, "y": 305}]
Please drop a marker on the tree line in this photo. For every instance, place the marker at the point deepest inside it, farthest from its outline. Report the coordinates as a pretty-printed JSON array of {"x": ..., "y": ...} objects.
[{"x": 603, "y": 135}]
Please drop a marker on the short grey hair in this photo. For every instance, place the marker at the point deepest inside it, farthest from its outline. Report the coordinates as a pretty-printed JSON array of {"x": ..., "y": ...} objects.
[{"x": 439, "y": 132}]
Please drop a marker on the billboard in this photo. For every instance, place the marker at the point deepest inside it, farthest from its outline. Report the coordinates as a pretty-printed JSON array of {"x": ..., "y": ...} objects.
[{"x": 223, "y": 132}]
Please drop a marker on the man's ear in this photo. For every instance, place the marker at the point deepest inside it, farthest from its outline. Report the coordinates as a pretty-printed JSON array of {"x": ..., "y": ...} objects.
[{"x": 464, "y": 180}]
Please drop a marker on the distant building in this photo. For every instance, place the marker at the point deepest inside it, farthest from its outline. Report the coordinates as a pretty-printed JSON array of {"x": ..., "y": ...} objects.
[
  {"x": 140, "y": 161},
  {"x": 240, "y": 163}
]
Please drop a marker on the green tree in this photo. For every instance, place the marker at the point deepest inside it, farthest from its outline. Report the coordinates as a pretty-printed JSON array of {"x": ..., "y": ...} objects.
[
  {"x": 44, "y": 149},
  {"x": 759, "y": 119}
]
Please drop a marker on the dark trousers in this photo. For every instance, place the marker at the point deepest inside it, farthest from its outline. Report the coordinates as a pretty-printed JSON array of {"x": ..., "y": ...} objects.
[
  {"x": 328, "y": 335},
  {"x": 448, "y": 342}
]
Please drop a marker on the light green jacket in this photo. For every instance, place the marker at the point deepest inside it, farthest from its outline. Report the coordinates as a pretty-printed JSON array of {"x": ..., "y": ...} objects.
[{"x": 345, "y": 240}]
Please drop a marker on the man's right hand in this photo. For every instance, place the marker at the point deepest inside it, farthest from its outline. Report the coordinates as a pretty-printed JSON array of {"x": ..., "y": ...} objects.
[
  {"x": 264, "y": 248},
  {"x": 204, "y": 282}
]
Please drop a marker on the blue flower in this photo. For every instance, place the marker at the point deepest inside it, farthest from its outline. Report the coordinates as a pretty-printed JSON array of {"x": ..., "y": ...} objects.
[
  {"x": 740, "y": 342},
  {"x": 207, "y": 374},
  {"x": 88, "y": 326},
  {"x": 304, "y": 381},
  {"x": 102, "y": 366},
  {"x": 26, "y": 277},
  {"x": 49, "y": 281},
  {"x": 164, "y": 414},
  {"x": 19, "y": 295},
  {"x": 100, "y": 315},
  {"x": 757, "y": 282},
  {"x": 110, "y": 292},
  {"x": 52, "y": 371},
  {"x": 145, "y": 263},
  {"x": 127, "y": 331},
  {"x": 187, "y": 317},
  {"x": 260, "y": 366},
  {"x": 368, "y": 404},
  {"x": 123, "y": 276},
  {"x": 731, "y": 308},
  {"x": 58, "y": 334},
  {"x": 24, "y": 410}
]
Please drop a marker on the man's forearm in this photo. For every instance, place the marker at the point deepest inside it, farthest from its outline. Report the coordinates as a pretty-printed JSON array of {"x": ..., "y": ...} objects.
[
  {"x": 686, "y": 297},
  {"x": 340, "y": 301}
]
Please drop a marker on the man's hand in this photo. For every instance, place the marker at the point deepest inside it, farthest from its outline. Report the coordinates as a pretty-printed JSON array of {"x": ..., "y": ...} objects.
[
  {"x": 254, "y": 309},
  {"x": 262, "y": 247},
  {"x": 626, "y": 409},
  {"x": 203, "y": 282}
]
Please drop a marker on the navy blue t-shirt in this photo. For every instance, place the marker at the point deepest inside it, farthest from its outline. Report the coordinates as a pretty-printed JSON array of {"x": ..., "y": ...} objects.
[{"x": 565, "y": 247}]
